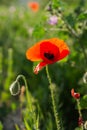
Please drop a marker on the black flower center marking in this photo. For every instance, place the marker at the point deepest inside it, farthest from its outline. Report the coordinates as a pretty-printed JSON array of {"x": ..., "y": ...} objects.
[{"x": 49, "y": 56}]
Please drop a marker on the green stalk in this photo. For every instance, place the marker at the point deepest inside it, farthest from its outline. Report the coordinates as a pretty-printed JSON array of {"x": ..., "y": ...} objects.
[
  {"x": 79, "y": 111},
  {"x": 53, "y": 100},
  {"x": 29, "y": 104}
]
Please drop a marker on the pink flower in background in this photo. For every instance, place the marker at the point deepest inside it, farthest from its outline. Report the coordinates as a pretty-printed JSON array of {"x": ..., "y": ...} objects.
[{"x": 53, "y": 20}]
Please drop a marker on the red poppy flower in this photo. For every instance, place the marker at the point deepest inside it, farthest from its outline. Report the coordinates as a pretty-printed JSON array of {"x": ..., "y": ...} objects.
[
  {"x": 34, "y": 6},
  {"x": 48, "y": 51},
  {"x": 74, "y": 94}
]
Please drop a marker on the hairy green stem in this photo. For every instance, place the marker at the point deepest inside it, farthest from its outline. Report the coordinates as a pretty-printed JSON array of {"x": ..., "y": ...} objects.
[
  {"x": 79, "y": 108},
  {"x": 53, "y": 100},
  {"x": 79, "y": 111},
  {"x": 25, "y": 82}
]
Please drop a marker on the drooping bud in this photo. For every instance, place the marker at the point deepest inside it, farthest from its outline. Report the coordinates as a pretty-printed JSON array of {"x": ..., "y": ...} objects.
[{"x": 15, "y": 88}]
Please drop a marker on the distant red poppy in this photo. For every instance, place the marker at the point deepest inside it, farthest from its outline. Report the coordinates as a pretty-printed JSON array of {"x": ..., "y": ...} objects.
[
  {"x": 48, "y": 51},
  {"x": 74, "y": 94},
  {"x": 34, "y": 6}
]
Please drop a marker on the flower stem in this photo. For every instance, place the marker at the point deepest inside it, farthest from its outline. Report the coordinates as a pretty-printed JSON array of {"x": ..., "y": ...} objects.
[
  {"x": 79, "y": 111},
  {"x": 53, "y": 100},
  {"x": 79, "y": 108},
  {"x": 28, "y": 96},
  {"x": 29, "y": 102}
]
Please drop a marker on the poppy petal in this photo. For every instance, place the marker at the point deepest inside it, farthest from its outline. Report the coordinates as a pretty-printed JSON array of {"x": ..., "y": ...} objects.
[
  {"x": 39, "y": 67},
  {"x": 33, "y": 53},
  {"x": 63, "y": 54},
  {"x": 72, "y": 92},
  {"x": 49, "y": 52},
  {"x": 63, "y": 48}
]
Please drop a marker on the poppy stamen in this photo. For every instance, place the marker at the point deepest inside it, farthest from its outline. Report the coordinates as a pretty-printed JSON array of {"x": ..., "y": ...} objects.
[{"x": 49, "y": 56}]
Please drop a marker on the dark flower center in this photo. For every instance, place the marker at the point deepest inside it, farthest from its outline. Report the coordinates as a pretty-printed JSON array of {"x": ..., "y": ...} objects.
[{"x": 49, "y": 56}]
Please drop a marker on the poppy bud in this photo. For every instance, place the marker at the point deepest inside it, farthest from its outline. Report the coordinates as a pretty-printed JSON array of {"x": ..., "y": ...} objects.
[
  {"x": 15, "y": 88},
  {"x": 74, "y": 94}
]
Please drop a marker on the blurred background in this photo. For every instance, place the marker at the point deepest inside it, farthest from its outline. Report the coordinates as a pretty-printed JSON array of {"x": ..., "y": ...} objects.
[{"x": 20, "y": 28}]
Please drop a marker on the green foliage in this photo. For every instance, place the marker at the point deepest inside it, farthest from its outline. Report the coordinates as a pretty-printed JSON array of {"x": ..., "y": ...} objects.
[
  {"x": 55, "y": 4},
  {"x": 17, "y": 128},
  {"x": 1, "y": 126},
  {"x": 6, "y": 2},
  {"x": 82, "y": 16},
  {"x": 84, "y": 102}
]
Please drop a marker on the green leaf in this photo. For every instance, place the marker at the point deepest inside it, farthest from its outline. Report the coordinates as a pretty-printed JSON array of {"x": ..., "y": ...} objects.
[
  {"x": 82, "y": 16},
  {"x": 85, "y": 97},
  {"x": 39, "y": 31},
  {"x": 1, "y": 126},
  {"x": 78, "y": 128},
  {"x": 70, "y": 20},
  {"x": 83, "y": 102},
  {"x": 16, "y": 126},
  {"x": 56, "y": 4},
  {"x": 27, "y": 125}
]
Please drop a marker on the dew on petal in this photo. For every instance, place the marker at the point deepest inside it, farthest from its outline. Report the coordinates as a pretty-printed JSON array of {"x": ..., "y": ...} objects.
[{"x": 15, "y": 88}]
